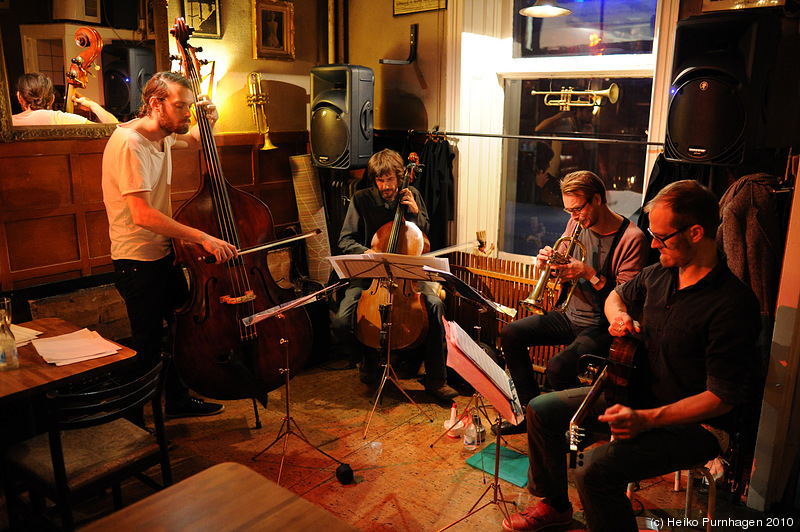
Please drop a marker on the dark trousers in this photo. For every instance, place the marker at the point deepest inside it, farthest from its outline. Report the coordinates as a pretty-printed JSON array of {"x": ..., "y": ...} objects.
[
  {"x": 434, "y": 344},
  {"x": 605, "y": 471},
  {"x": 152, "y": 290},
  {"x": 553, "y": 328}
]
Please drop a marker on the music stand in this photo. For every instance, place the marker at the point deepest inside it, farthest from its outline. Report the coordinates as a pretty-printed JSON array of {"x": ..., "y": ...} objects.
[
  {"x": 477, "y": 368},
  {"x": 388, "y": 266},
  {"x": 288, "y": 424},
  {"x": 469, "y": 294}
]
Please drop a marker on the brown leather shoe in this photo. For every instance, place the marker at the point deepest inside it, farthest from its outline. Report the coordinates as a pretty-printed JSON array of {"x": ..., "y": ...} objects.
[
  {"x": 537, "y": 517},
  {"x": 440, "y": 390}
]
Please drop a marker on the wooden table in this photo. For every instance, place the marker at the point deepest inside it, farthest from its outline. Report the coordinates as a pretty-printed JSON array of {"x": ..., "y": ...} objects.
[
  {"x": 227, "y": 496},
  {"x": 35, "y": 376}
]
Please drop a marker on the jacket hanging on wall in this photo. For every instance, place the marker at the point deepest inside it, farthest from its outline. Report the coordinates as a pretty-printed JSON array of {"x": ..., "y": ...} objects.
[{"x": 436, "y": 187}]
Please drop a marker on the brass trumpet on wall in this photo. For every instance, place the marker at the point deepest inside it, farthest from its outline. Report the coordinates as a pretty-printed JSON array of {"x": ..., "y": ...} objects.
[
  {"x": 568, "y": 97},
  {"x": 257, "y": 101},
  {"x": 544, "y": 294}
]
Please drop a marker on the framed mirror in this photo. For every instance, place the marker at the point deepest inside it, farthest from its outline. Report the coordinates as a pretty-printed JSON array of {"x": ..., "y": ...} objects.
[
  {"x": 157, "y": 12},
  {"x": 11, "y": 133}
]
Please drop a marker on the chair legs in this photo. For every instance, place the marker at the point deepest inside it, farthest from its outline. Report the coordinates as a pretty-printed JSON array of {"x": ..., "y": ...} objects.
[{"x": 712, "y": 492}]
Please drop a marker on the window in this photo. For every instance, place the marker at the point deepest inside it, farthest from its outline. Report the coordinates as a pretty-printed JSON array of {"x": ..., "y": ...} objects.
[{"x": 595, "y": 27}]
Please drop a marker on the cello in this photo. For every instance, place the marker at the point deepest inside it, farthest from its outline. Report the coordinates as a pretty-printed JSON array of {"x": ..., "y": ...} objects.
[
  {"x": 409, "y": 314},
  {"x": 215, "y": 353}
]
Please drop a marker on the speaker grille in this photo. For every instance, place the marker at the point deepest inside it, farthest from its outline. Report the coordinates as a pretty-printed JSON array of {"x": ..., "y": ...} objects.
[{"x": 329, "y": 137}]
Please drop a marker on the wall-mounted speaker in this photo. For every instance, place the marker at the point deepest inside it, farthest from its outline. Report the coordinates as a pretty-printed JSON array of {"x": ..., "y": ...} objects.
[
  {"x": 126, "y": 70},
  {"x": 721, "y": 71},
  {"x": 341, "y": 116}
]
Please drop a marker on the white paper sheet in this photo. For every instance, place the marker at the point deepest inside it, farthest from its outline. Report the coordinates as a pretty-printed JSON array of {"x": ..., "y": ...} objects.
[{"x": 74, "y": 347}]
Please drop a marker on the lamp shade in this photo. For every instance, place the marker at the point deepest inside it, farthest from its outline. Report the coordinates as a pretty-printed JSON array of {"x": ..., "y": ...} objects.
[{"x": 545, "y": 9}]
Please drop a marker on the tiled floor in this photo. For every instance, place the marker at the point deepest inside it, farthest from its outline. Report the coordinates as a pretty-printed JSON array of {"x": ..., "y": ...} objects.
[{"x": 402, "y": 482}]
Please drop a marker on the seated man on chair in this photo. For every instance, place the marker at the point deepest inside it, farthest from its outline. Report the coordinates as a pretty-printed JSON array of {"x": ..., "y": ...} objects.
[
  {"x": 369, "y": 210},
  {"x": 616, "y": 251},
  {"x": 699, "y": 325}
]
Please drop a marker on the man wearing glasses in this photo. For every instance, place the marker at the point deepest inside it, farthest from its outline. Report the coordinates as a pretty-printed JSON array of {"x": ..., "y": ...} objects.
[
  {"x": 616, "y": 251},
  {"x": 696, "y": 371}
]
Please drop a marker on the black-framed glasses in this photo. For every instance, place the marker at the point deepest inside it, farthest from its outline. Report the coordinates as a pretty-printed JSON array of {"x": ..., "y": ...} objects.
[
  {"x": 576, "y": 210},
  {"x": 663, "y": 239}
]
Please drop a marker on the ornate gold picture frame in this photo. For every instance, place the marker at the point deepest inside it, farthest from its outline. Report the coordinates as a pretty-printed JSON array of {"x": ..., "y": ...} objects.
[{"x": 273, "y": 30}]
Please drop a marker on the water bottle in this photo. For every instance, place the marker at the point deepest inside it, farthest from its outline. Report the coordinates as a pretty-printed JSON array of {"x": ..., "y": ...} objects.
[
  {"x": 8, "y": 346},
  {"x": 470, "y": 435},
  {"x": 480, "y": 430}
]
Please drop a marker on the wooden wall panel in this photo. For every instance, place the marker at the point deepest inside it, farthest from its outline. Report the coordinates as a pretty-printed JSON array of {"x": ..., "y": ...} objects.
[
  {"x": 31, "y": 183},
  {"x": 53, "y": 224},
  {"x": 55, "y": 242}
]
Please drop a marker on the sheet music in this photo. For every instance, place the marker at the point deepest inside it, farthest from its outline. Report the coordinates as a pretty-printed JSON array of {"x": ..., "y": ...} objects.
[
  {"x": 74, "y": 347},
  {"x": 469, "y": 292},
  {"x": 483, "y": 362},
  {"x": 374, "y": 265}
]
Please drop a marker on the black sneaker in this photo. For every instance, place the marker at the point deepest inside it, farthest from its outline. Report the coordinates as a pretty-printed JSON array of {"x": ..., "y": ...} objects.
[
  {"x": 506, "y": 428},
  {"x": 192, "y": 408}
]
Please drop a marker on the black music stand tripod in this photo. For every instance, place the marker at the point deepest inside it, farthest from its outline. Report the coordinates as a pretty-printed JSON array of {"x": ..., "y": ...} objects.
[
  {"x": 386, "y": 349},
  {"x": 344, "y": 474}
]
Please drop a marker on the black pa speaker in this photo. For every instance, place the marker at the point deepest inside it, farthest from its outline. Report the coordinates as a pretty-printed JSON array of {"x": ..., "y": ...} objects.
[
  {"x": 341, "y": 116},
  {"x": 721, "y": 70},
  {"x": 126, "y": 70}
]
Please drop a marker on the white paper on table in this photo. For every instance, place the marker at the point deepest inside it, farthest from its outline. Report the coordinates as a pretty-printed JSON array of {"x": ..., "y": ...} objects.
[
  {"x": 23, "y": 335},
  {"x": 74, "y": 347}
]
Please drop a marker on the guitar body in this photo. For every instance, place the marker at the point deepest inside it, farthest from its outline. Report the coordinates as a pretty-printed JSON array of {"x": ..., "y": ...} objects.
[{"x": 613, "y": 381}]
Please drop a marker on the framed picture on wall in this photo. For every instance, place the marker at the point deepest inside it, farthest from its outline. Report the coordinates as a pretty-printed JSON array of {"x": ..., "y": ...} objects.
[
  {"x": 273, "y": 30},
  {"x": 403, "y": 7},
  {"x": 204, "y": 17}
]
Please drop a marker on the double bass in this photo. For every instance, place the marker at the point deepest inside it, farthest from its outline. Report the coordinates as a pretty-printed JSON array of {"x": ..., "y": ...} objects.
[
  {"x": 409, "y": 315},
  {"x": 77, "y": 75},
  {"x": 215, "y": 353}
]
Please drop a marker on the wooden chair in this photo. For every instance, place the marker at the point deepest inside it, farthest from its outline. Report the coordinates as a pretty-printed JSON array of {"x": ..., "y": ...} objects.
[{"x": 89, "y": 447}]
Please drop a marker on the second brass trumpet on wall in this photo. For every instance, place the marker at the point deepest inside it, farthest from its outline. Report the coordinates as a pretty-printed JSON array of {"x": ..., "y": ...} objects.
[
  {"x": 257, "y": 101},
  {"x": 568, "y": 97},
  {"x": 544, "y": 294}
]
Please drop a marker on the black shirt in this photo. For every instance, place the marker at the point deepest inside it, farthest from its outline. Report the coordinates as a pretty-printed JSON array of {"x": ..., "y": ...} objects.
[
  {"x": 368, "y": 211},
  {"x": 702, "y": 337}
]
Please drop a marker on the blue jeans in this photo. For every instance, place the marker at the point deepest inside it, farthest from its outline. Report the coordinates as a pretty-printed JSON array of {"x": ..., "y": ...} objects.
[{"x": 604, "y": 472}]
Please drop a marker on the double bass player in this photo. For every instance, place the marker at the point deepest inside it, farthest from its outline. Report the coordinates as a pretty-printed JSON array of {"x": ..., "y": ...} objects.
[
  {"x": 369, "y": 210},
  {"x": 137, "y": 171}
]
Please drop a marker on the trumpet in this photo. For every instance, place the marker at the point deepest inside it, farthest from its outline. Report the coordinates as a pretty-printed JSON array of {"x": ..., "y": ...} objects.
[
  {"x": 563, "y": 99},
  {"x": 257, "y": 101},
  {"x": 547, "y": 288}
]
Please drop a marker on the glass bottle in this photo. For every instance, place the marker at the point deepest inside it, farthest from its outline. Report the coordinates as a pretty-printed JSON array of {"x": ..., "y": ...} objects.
[
  {"x": 8, "y": 345},
  {"x": 470, "y": 435},
  {"x": 479, "y": 429}
]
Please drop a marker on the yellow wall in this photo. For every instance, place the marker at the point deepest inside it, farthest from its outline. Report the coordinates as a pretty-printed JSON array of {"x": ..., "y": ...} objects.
[
  {"x": 406, "y": 96},
  {"x": 287, "y": 82}
]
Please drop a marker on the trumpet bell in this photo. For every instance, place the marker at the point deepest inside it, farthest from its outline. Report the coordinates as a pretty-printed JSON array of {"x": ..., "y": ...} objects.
[{"x": 268, "y": 145}]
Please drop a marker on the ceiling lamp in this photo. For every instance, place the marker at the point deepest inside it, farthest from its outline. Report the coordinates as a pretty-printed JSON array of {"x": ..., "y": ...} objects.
[{"x": 545, "y": 9}]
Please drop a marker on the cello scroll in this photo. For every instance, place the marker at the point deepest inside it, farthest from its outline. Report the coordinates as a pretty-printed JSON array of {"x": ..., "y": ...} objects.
[{"x": 77, "y": 75}]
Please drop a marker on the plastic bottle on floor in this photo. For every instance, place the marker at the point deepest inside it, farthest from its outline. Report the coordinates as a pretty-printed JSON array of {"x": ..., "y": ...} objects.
[{"x": 470, "y": 435}]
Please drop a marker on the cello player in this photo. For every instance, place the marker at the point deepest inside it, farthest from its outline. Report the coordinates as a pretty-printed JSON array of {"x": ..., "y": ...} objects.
[
  {"x": 137, "y": 172},
  {"x": 701, "y": 325},
  {"x": 369, "y": 210}
]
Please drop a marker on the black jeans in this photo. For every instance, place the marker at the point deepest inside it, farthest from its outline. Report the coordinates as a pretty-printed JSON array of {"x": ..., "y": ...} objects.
[
  {"x": 152, "y": 290},
  {"x": 553, "y": 328},
  {"x": 605, "y": 471}
]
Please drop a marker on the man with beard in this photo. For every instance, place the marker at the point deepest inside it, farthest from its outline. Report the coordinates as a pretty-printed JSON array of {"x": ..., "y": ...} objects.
[
  {"x": 616, "y": 251},
  {"x": 369, "y": 210},
  {"x": 696, "y": 371},
  {"x": 137, "y": 172}
]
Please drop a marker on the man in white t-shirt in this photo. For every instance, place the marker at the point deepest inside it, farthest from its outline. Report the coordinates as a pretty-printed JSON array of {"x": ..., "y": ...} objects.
[
  {"x": 35, "y": 94},
  {"x": 137, "y": 171}
]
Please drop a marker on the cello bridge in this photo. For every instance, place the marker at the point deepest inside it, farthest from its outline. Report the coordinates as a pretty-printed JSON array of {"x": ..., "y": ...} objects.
[{"x": 238, "y": 300}]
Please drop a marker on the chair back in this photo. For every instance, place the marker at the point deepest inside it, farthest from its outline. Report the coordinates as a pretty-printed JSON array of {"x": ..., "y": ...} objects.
[{"x": 70, "y": 411}]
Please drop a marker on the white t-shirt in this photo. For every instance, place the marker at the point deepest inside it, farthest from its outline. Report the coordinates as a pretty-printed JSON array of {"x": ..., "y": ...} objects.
[
  {"x": 132, "y": 163},
  {"x": 47, "y": 117}
]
